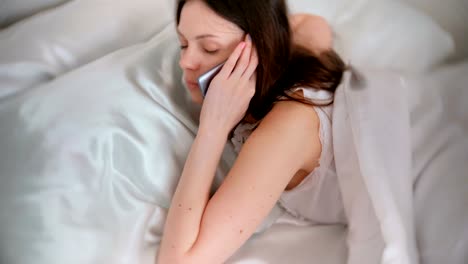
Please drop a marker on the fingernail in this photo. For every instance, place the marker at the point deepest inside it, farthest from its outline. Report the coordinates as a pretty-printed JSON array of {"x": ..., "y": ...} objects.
[
  {"x": 243, "y": 44},
  {"x": 248, "y": 37}
]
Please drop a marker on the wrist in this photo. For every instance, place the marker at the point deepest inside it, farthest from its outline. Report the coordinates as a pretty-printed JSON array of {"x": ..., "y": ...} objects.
[{"x": 213, "y": 133}]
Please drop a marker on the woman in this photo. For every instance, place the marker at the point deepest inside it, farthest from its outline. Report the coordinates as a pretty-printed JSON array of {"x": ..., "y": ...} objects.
[{"x": 267, "y": 85}]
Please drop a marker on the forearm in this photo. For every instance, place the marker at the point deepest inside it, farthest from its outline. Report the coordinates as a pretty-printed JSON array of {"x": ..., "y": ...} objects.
[{"x": 191, "y": 196}]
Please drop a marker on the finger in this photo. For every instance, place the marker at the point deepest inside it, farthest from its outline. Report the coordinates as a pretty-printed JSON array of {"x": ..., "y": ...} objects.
[
  {"x": 244, "y": 60},
  {"x": 253, "y": 63},
  {"x": 232, "y": 60},
  {"x": 253, "y": 84}
]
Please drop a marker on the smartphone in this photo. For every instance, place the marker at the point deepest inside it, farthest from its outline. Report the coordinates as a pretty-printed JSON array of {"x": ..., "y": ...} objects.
[{"x": 205, "y": 80}]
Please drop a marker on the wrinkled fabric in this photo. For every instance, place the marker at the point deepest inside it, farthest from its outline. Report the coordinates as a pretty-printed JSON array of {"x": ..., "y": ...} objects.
[
  {"x": 55, "y": 42},
  {"x": 371, "y": 132},
  {"x": 439, "y": 132},
  {"x": 14, "y": 10},
  {"x": 87, "y": 159}
]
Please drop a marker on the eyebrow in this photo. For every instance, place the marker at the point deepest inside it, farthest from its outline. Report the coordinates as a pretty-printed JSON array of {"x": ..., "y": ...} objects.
[{"x": 200, "y": 36}]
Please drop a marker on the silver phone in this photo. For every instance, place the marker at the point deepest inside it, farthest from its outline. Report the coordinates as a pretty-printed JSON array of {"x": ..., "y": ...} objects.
[{"x": 205, "y": 80}]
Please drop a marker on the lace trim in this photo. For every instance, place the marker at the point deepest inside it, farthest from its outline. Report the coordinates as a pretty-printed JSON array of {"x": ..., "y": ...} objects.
[{"x": 241, "y": 134}]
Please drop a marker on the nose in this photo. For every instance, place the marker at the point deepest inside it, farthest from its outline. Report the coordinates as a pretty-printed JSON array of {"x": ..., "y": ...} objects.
[{"x": 189, "y": 60}]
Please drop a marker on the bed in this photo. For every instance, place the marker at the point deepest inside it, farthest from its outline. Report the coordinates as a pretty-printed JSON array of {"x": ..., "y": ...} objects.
[{"x": 95, "y": 127}]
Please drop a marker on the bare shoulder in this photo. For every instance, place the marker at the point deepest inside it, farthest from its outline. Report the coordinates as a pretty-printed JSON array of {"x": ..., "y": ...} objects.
[
  {"x": 292, "y": 114},
  {"x": 295, "y": 123},
  {"x": 294, "y": 126}
]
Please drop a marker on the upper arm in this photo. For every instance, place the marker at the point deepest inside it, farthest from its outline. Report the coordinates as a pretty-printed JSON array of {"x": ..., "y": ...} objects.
[
  {"x": 312, "y": 32},
  {"x": 271, "y": 156}
]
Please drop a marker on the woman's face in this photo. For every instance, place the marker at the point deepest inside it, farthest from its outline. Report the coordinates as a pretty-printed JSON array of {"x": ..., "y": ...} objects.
[{"x": 206, "y": 40}]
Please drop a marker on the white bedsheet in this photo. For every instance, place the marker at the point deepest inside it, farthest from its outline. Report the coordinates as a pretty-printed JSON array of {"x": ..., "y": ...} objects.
[
  {"x": 93, "y": 139},
  {"x": 440, "y": 156}
]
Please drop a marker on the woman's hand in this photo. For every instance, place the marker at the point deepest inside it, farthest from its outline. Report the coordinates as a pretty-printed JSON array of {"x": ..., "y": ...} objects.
[
  {"x": 311, "y": 32},
  {"x": 230, "y": 92}
]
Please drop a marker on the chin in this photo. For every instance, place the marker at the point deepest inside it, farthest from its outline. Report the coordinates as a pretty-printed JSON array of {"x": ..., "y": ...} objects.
[{"x": 197, "y": 98}]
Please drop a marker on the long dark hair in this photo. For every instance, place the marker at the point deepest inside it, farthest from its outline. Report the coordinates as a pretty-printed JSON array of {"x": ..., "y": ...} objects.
[{"x": 282, "y": 66}]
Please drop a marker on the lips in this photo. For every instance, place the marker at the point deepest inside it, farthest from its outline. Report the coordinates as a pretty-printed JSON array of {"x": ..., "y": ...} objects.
[
  {"x": 190, "y": 82},
  {"x": 191, "y": 85}
]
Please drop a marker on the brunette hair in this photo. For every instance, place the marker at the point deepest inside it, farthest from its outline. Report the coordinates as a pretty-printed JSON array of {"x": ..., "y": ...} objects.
[{"x": 282, "y": 65}]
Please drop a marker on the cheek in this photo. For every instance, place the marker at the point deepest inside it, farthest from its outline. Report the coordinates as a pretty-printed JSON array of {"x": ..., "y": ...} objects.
[
  {"x": 230, "y": 49},
  {"x": 227, "y": 51}
]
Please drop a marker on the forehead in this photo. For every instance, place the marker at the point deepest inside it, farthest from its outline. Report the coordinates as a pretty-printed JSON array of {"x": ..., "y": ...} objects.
[{"x": 197, "y": 18}]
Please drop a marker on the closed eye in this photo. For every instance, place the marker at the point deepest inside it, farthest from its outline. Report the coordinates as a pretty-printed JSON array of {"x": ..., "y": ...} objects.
[{"x": 211, "y": 51}]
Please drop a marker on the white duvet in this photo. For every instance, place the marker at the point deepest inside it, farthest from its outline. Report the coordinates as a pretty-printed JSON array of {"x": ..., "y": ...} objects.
[{"x": 95, "y": 127}]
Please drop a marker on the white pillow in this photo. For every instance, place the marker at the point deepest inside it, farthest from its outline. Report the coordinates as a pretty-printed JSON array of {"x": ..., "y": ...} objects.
[
  {"x": 14, "y": 10},
  {"x": 382, "y": 34},
  {"x": 51, "y": 43},
  {"x": 452, "y": 15}
]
